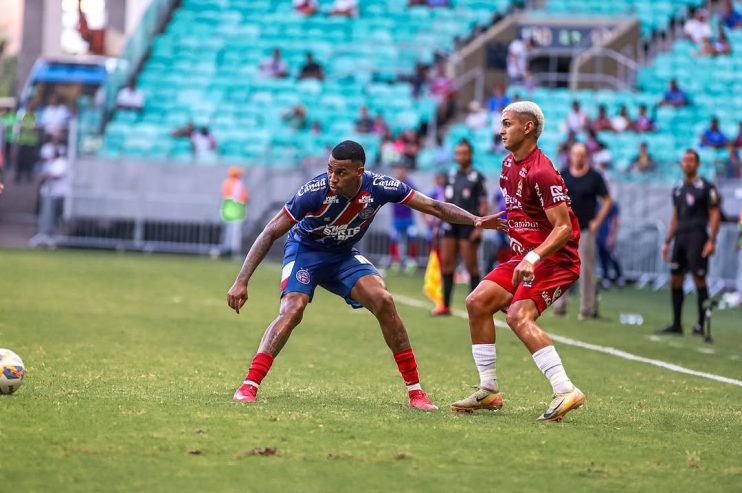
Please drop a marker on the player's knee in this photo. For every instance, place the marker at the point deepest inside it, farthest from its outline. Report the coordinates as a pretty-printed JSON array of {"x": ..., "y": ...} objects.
[
  {"x": 293, "y": 312},
  {"x": 383, "y": 303},
  {"x": 517, "y": 319},
  {"x": 476, "y": 304}
]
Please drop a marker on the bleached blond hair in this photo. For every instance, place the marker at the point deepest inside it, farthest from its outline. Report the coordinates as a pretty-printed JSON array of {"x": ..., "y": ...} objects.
[{"x": 532, "y": 110}]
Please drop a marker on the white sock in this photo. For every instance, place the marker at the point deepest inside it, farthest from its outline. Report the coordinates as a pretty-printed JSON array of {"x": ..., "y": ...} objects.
[
  {"x": 550, "y": 364},
  {"x": 485, "y": 358},
  {"x": 414, "y": 386}
]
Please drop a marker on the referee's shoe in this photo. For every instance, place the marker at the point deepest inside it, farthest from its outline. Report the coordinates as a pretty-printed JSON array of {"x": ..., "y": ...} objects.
[{"x": 670, "y": 330}]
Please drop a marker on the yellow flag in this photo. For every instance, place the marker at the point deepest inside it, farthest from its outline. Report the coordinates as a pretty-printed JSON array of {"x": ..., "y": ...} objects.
[{"x": 432, "y": 284}]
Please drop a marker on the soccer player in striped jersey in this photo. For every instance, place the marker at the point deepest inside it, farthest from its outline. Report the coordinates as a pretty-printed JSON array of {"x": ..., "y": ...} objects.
[{"x": 324, "y": 220}]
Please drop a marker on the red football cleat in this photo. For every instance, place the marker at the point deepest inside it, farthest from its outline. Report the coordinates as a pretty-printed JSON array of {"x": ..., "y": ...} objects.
[
  {"x": 441, "y": 311},
  {"x": 419, "y": 400},
  {"x": 246, "y": 393}
]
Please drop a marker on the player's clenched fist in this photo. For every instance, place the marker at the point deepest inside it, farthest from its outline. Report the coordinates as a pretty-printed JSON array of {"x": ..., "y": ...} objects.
[
  {"x": 237, "y": 296},
  {"x": 523, "y": 272}
]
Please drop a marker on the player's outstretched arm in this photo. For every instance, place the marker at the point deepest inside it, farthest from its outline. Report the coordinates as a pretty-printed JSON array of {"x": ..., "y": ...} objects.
[
  {"x": 448, "y": 212},
  {"x": 276, "y": 228}
]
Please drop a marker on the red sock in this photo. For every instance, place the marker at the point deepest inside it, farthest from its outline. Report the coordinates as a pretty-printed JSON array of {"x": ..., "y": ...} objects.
[
  {"x": 408, "y": 368},
  {"x": 261, "y": 363},
  {"x": 394, "y": 251}
]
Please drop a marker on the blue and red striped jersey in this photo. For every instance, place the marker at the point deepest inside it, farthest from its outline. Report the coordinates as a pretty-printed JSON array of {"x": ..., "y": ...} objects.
[{"x": 328, "y": 221}]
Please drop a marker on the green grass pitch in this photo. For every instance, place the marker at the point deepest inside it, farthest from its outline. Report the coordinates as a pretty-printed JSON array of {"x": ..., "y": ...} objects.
[{"x": 132, "y": 361}]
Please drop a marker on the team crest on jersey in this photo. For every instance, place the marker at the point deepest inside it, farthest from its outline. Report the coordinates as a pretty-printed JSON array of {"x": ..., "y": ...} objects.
[
  {"x": 302, "y": 275},
  {"x": 473, "y": 176},
  {"x": 507, "y": 163},
  {"x": 690, "y": 199},
  {"x": 366, "y": 213}
]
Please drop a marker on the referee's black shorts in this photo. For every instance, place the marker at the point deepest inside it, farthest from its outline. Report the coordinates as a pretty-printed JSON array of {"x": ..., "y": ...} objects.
[
  {"x": 686, "y": 254},
  {"x": 457, "y": 231}
]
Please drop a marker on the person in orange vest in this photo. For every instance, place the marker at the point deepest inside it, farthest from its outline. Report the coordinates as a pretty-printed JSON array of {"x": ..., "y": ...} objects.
[{"x": 233, "y": 210}]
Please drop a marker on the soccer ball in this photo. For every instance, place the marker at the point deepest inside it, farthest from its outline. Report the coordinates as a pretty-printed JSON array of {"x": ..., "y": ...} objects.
[{"x": 12, "y": 371}]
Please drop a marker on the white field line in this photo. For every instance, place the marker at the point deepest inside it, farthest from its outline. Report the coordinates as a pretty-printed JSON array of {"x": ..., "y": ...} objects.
[{"x": 406, "y": 300}]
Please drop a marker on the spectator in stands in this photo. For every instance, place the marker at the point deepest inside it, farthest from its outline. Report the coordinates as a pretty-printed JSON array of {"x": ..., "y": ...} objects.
[
  {"x": 273, "y": 66},
  {"x": 644, "y": 162},
  {"x": 721, "y": 45},
  {"x": 441, "y": 88},
  {"x": 388, "y": 153},
  {"x": 698, "y": 27},
  {"x": 130, "y": 98},
  {"x": 364, "y": 124},
  {"x": 27, "y": 139},
  {"x": 674, "y": 96},
  {"x": 622, "y": 122},
  {"x": 419, "y": 79},
  {"x": 184, "y": 131},
  {"x": 602, "y": 122},
  {"x": 577, "y": 120},
  {"x": 729, "y": 17},
  {"x": 306, "y": 7},
  {"x": 713, "y": 136},
  {"x": 316, "y": 128},
  {"x": 442, "y": 153},
  {"x": 602, "y": 159},
  {"x": 296, "y": 118},
  {"x": 644, "y": 122},
  {"x": 517, "y": 59},
  {"x": 497, "y": 102},
  {"x": 477, "y": 117},
  {"x": 311, "y": 69},
  {"x": 732, "y": 164},
  {"x": 564, "y": 149},
  {"x": 430, "y": 3},
  {"x": 738, "y": 140},
  {"x": 408, "y": 146},
  {"x": 347, "y": 8},
  {"x": 380, "y": 127},
  {"x": 591, "y": 141},
  {"x": 203, "y": 143},
  {"x": 56, "y": 117}
]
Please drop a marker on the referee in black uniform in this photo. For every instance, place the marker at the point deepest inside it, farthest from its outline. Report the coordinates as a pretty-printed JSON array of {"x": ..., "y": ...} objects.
[
  {"x": 695, "y": 207},
  {"x": 465, "y": 188}
]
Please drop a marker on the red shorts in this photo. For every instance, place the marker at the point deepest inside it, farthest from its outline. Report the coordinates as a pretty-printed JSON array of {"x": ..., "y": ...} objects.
[{"x": 550, "y": 282}]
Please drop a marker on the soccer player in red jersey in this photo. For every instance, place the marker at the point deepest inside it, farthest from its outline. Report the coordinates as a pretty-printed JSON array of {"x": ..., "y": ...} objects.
[
  {"x": 324, "y": 220},
  {"x": 544, "y": 235}
]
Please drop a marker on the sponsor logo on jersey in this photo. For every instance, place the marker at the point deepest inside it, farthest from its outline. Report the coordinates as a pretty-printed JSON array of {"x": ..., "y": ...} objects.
[
  {"x": 519, "y": 192},
  {"x": 507, "y": 163},
  {"x": 331, "y": 199},
  {"x": 550, "y": 299},
  {"x": 341, "y": 232},
  {"x": 312, "y": 186},
  {"x": 523, "y": 172},
  {"x": 539, "y": 194},
  {"x": 516, "y": 246},
  {"x": 512, "y": 223},
  {"x": 503, "y": 178},
  {"x": 557, "y": 193},
  {"x": 366, "y": 213},
  {"x": 386, "y": 182},
  {"x": 365, "y": 199},
  {"x": 302, "y": 275},
  {"x": 511, "y": 201}
]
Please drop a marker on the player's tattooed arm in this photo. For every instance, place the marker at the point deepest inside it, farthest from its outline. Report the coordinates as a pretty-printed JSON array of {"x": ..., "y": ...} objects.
[{"x": 448, "y": 212}]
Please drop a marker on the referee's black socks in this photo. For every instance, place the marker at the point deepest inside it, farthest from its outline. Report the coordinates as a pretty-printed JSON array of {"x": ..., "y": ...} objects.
[
  {"x": 677, "y": 306},
  {"x": 447, "y": 289}
]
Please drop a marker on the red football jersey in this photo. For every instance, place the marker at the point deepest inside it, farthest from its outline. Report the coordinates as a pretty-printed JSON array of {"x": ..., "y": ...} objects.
[{"x": 530, "y": 187}]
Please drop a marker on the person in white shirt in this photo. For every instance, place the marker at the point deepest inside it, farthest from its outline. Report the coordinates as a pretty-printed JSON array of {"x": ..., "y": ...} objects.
[
  {"x": 273, "y": 66},
  {"x": 577, "y": 120},
  {"x": 697, "y": 28},
  {"x": 55, "y": 186},
  {"x": 517, "y": 59},
  {"x": 130, "y": 98},
  {"x": 348, "y": 8},
  {"x": 622, "y": 122},
  {"x": 477, "y": 117},
  {"x": 55, "y": 117},
  {"x": 203, "y": 143}
]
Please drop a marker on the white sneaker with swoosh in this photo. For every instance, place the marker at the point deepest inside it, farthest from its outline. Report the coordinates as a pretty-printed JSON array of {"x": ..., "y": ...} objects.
[{"x": 563, "y": 403}]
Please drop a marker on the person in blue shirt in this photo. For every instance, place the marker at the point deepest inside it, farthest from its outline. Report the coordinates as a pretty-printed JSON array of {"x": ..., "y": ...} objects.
[
  {"x": 713, "y": 136},
  {"x": 403, "y": 237},
  {"x": 324, "y": 220},
  {"x": 674, "y": 96}
]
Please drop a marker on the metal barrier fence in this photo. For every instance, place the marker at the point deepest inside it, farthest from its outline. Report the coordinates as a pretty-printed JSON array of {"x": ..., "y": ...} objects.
[{"x": 638, "y": 249}]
